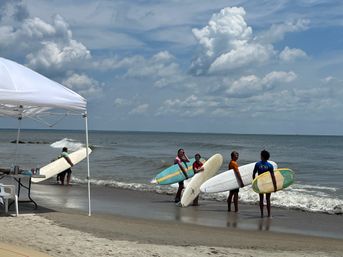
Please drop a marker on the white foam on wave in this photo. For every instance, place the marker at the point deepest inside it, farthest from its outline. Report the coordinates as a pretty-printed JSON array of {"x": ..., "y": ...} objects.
[
  {"x": 307, "y": 200},
  {"x": 71, "y": 144},
  {"x": 125, "y": 185},
  {"x": 332, "y": 189}
]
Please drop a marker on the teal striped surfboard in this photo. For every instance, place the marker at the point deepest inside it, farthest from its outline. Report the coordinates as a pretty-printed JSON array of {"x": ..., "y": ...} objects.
[
  {"x": 173, "y": 174},
  {"x": 263, "y": 183}
]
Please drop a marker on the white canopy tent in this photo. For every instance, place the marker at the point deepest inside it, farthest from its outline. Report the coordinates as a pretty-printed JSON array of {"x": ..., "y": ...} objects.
[{"x": 26, "y": 93}]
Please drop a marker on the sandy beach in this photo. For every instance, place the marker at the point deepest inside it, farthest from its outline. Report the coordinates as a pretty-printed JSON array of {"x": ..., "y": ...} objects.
[
  {"x": 61, "y": 227},
  {"x": 66, "y": 234}
]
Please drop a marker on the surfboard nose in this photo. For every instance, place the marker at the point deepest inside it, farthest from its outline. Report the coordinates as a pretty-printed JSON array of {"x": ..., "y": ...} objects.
[{"x": 153, "y": 181}]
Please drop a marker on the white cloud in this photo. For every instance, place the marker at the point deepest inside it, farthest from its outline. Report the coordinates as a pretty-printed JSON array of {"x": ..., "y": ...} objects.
[
  {"x": 190, "y": 106},
  {"x": 46, "y": 46},
  {"x": 248, "y": 86},
  {"x": 278, "y": 31},
  {"x": 84, "y": 85},
  {"x": 121, "y": 102},
  {"x": 291, "y": 54},
  {"x": 140, "y": 109},
  {"x": 226, "y": 43},
  {"x": 240, "y": 57},
  {"x": 60, "y": 52},
  {"x": 161, "y": 68}
]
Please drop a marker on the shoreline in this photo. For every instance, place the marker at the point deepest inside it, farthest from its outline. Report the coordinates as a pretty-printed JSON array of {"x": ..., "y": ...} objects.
[
  {"x": 130, "y": 203},
  {"x": 131, "y": 223},
  {"x": 173, "y": 233}
]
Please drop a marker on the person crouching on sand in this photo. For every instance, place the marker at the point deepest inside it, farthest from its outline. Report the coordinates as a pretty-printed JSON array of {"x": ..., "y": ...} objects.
[
  {"x": 234, "y": 193},
  {"x": 197, "y": 167},
  {"x": 260, "y": 168},
  {"x": 179, "y": 159}
]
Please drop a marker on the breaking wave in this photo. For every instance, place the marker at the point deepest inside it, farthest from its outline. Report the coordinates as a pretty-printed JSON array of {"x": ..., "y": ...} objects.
[
  {"x": 300, "y": 197},
  {"x": 71, "y": 144}
]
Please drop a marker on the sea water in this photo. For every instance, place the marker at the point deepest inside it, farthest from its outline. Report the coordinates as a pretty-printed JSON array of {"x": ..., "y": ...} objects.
[{"x": 131, "y": 159}]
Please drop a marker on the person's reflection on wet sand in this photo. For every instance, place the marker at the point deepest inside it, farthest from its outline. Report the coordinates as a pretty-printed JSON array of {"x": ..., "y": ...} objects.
[
  {"x": 264, "y": 224},
  {"x": 232, "y": 220}
]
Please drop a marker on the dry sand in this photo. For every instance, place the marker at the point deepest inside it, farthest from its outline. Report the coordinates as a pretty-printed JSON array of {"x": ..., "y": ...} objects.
[{"x": 75, "y": 234}]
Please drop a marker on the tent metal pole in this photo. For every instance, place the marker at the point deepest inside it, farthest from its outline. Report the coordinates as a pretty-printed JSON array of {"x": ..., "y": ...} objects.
[
  {"x": 88, "y": 169},
  {"x": 18, "y": 133},
  {"x": 17, "y": 142}
]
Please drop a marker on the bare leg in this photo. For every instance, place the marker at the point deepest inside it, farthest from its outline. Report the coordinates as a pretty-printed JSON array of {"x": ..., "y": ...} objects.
[
  {"x": 235, "y": 201},
  {"x": 62, "y": 176},
  {"x": 268, "y": 203},
  {"x": 196, "y": 201},
  {"x": 229, "y": 200},
  {"x": 68, "y": 178},
  {"x": 178, "y": 193},
  {"x": 261, "y": 204}
]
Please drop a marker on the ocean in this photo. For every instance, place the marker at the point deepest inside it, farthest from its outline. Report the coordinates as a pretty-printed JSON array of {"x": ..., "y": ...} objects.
[{"x": 131, "y": 159}]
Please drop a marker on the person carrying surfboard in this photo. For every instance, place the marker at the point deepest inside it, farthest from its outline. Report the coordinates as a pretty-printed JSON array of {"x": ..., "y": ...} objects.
[
  {"x": 67, "y": 172},
  {"x": 260, "y": 168},
  {"x": 234, "y": 193},
  {"x": 197, "y": 167},
  {"x": 181, "y": 157}
]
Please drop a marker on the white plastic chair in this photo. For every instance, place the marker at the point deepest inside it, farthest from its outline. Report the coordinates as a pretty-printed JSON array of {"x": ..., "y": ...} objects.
[{"x": 8, "y": 192}]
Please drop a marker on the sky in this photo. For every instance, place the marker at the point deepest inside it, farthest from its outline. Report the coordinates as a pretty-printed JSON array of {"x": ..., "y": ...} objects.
[{"x": 270, "y": 67}]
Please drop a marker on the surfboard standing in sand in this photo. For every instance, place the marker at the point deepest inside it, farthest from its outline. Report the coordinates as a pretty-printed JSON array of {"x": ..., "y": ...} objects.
[{"x": 192, "y": 190}]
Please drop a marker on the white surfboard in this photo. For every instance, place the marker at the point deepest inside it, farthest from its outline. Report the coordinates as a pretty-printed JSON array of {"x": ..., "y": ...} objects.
[
  {"x": 227, "y": 180},
  {"x": 55, "y": 167},
  {"x": 192, "y": 190}
]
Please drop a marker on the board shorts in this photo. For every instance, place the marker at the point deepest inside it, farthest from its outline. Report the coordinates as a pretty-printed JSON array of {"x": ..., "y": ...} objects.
[
  {"x": 68, "y": 171},
  {"x": 234, "y": 190}
]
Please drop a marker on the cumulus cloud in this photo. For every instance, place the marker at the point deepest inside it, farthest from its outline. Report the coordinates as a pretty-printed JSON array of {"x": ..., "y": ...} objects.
[
  {"x": 12, "y": 9},
  {"x": 45, "y": 45},
  {"x": 291, "y": 54},
  {"x": 227, "y": 43},
  {"x": 84, "y": 85},
  {"x": 60, "y": 52},
  {"x": 251, "y": 85}
]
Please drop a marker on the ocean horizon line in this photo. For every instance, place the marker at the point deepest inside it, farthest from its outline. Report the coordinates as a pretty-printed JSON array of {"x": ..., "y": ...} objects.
[{"x": 173, "y": 132}]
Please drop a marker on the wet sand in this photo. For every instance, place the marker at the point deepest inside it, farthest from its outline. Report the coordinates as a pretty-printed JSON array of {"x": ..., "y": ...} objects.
[
  {"x": 132, "y": 223},
  {"x": 150, "y": 205}
]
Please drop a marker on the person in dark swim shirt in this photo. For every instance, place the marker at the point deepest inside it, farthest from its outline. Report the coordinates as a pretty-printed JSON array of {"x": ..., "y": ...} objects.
[{"x": 260, "y": 168}]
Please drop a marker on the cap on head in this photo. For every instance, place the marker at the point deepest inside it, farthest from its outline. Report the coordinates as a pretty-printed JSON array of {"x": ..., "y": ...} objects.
[{"x": 64, "y": 149}]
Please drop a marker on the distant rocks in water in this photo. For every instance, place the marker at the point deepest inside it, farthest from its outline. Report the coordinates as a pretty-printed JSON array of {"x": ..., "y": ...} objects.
[
  {"x": 28, "y": 142},
  {"x": 19, "y": 142}
]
